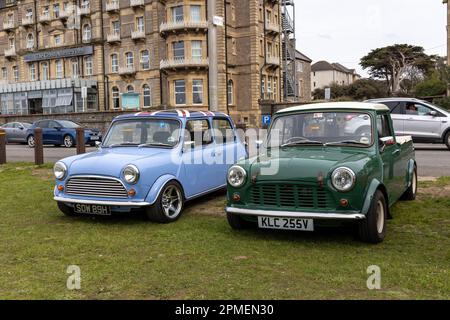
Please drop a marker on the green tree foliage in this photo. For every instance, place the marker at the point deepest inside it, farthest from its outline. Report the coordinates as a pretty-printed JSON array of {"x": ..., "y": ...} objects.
[
  {"x": 394, "y": 63},
  {"x": 432, "y": 86},
  {"x": 362, "y": 89}
]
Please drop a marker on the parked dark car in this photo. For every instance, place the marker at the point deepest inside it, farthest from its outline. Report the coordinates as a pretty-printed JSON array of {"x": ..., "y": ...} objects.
[
  {"x": 16, "y": 131},
  {"x": 61, "y": 132}
]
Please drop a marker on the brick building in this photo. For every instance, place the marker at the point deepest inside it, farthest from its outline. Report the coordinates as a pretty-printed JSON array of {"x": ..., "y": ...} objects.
[{"x": 59, "y": 56}]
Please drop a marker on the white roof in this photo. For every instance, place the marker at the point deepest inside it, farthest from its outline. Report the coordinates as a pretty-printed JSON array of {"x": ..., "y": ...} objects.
[{"x": 337, "y": 105}]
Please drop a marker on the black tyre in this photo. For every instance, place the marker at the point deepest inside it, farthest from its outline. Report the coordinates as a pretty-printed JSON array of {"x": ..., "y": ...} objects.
[
  {"x": 447, "y": 140},
  {"x": 236, "y": 222},
  {"x": 373, "y": 228},
  {"x": 411, "y": 192},
  {"x": 169, "y": 205},
  {"x": 31, "y": 142},
  {"x": 68, "y": 211},
  {"x": 68, "y": 141}
]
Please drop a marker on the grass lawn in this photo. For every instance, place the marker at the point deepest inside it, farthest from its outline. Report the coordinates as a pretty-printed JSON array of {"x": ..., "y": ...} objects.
[{"x": 200, "y": 257}]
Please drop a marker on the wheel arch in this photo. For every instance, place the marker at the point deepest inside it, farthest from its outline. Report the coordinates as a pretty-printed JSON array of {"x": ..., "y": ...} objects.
[
  {"x": 447, "y": 131},
  {"x": 374, "y": 186},
  {"x": 156, "y": 188}
]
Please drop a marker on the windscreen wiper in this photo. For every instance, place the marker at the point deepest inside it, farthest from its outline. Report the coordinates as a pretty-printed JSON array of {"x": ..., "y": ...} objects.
[
  {"x": 155, "y": 144},
  {"x": 125, "y": 144},
  {"x": 346, "y": 142},
  {"x": 300, "y": 143}
]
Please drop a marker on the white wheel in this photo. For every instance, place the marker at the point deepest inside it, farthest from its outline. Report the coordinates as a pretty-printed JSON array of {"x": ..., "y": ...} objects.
[
  {"x": 68, "y": 141},
  {"x": 31, "y": 142},
  {"x": 380, "y": 216}
]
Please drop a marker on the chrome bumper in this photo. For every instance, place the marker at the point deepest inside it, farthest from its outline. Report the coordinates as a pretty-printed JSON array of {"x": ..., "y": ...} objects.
[
  {"x": 296, "y": 214},
  {"x": 103, "y": 203}
]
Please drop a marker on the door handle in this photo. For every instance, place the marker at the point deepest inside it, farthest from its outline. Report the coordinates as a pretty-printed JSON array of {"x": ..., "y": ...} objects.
[{"x": 396, "y": 152}]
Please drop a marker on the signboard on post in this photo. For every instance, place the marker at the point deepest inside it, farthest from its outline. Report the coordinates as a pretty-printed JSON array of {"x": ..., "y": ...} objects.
[
  {"x": 130, "y": 100},
  {"x": 266, "y": 119},
  {"x": 327, "y": 93},
  {"x": 218, "y": 21}
]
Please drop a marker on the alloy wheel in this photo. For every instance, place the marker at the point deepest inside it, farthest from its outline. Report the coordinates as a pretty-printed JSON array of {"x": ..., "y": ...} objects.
[{"x": 172, "y": 202}]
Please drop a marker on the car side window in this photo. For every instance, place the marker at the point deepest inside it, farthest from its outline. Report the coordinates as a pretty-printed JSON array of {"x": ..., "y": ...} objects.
[
  {"x": 396, "y": 107},
  {"x": 384, "y": 129},
  {"x": 53, "y": 124},
  {"x": 198, "y": 132},
  {"x": 42, "y": 124},
  {"x": 223, "y": 131}
]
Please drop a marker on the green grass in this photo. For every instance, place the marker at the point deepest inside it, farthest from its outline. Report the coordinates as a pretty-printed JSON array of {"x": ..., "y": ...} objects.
[{"x": 200, "y": 257}]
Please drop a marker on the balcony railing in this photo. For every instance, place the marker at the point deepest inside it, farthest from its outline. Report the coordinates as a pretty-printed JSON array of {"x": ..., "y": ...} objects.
[
  {"x": 8, "y": 25},
  {"x": 129, "y": 70},
  {"x": 272, "y": 60},
  {"x": 138, "y": 34},
  {"x": 85, "y": 9},
  {"x": 45, "y": 17},
  {"x": 137, "y": 3},
  {"x": 112, "y": 6},
  {"x": 11, "y": 52},
  {"x": 113, "y": 37},
  {"x": 184, "y": 63},
  {"x": 27, "y": 20},
  {"x": 272, "y": 27},
  {"x": 183, "y": 25},
  {"x": 63, "y": 14}
]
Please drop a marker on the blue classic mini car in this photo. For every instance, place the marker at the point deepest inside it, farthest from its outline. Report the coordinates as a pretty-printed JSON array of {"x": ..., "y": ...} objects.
[{"x": 152, "y": 161}]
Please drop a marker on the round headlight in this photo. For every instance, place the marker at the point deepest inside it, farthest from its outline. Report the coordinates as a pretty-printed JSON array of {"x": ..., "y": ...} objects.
[
  {"x": 60, "y": 170},
  {"x": 236, "y": 176},
  {"x": 131, "y": 174},
  {"x": 343, "y": 179}
]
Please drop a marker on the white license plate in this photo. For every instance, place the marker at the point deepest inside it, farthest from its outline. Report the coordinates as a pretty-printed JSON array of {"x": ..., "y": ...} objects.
[
  {"x": 286, "y": 223},
  {"x": 92, "y": 209},
  {"x": 95, "y": 137}
]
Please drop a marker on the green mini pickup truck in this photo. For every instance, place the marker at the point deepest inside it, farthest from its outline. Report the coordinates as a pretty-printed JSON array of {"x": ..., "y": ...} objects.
[{"x": 324, "y": 165}]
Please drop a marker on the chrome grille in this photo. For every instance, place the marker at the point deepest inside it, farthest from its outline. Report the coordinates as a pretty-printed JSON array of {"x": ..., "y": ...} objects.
[
  {"x": 96, "y": 187},
  {"x": 289, "y": 196}
]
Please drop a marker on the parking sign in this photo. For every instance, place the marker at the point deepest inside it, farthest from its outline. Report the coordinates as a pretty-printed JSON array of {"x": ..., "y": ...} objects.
[{"x": 266, "y": 119}]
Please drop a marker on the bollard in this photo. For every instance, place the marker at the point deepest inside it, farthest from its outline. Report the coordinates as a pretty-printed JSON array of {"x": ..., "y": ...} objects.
[
  {"x": 38, "y": 147},
  {"x": 2, "y": 146},
  {"x": 81, "y": 144}
]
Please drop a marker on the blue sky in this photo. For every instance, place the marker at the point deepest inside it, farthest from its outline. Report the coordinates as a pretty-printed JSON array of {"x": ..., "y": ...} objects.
[{"x": 344, "y": 31}]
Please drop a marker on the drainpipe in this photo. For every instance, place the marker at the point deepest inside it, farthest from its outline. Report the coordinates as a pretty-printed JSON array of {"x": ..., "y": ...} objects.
[
  {"x": 226, "y": 56},
  {"x": 265, "y": 52},
  {"x": 213, "y": 60},
  {"x": 105, "y": 76}
]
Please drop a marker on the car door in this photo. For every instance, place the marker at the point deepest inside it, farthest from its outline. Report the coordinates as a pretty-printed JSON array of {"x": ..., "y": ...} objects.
[
  {"x": 44, "y": 125},
  {"x": 226, "y": 151},
  {"x": 420, "y": 123},
  {"x": 394, "y": 170},
  {"x": 9, "y": 131},
  {"x": 14, "y": 132},
  {"x": 53, "y": 132},
  {"x": 199, "y": 169},
  {"x": 397, "y": 109}
]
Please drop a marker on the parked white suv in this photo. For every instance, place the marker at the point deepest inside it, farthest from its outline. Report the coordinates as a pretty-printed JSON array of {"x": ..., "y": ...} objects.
[{"x": 425, "y": 122}]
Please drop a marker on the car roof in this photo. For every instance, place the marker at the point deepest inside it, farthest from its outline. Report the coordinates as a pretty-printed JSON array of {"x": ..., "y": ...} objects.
[
  {"x": 395, "y": 99},
  {"x": 176, "y": 114},
  {"x": 337, "y": 105}
]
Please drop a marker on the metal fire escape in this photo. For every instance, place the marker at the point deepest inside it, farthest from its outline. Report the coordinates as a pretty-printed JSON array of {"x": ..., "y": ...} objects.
[{"x": 288, "y": 39}]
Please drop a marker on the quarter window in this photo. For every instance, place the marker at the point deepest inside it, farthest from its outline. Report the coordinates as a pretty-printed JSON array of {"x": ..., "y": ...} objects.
[
  {"x": 198, "y": 132},
  {"x": 223, "y": 132}
]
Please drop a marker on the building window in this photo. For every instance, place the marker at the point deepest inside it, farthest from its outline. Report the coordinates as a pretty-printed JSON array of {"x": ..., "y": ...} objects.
[
  {"x": 45, "y": 74},
  {"x": 196, "y": 15},
  {"x": 16, "y": 73},
  {"x": 180, "y": 91},
  {"x": 299, "y": 66},
  {"x": 12, "y": 43},
  {"x": 196, "y": 47},
  {"x": 88, "y": 66},
  {"x": 197, "y": 91},
  {"x": 75, "y": 69},
  {"x": 147, "y": 96},
  {"x": 116, "y": 27},
  {"x": 59, "y": 69},
  {"x": 145, "y": 60},
  {"x": 45, "y": 11},
  {"x": 32, "y": 72},
  {"x": 116, "y": 98},
  {"x": 29, "y": 13},
  {"x": 129, "y": 59},
  {"x": 57, "y": 39},
  {"x": 130, "y": 89},
  {"x": 230, "y": 92},
  {"x": 114, "y": 63},
  {"x": 263, "y": 87},
  {"x": 87, "y": 33},
  {"x": 178, "y": 50},
  {"x": 30, "y": 41},
  {"x": 56, "y": 10},
  {"x": 4, "y": 73},
  {"x": 178, "y": 14},
  {"x": 140, "y": 24},
  {"x": 275, "y": 88},
  {"x": 269, "y": 88}
]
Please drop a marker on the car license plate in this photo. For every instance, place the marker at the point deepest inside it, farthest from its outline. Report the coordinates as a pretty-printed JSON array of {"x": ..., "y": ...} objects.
[
  {"x": 92, "y": 209},
  {"x": 95, "y": 137},
  {"x": 286, "y": 223}
]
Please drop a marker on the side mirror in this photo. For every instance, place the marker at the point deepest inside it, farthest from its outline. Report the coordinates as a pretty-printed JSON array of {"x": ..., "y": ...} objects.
[
  {"x": 386, "y": 142},
  {"x": 98, "y": 144},
  {"x": 188, "y": 145},
  {"x": 433, "y": 113},
  {"x": 21, "y": 128},
  {"x": 57, "y": 128}
]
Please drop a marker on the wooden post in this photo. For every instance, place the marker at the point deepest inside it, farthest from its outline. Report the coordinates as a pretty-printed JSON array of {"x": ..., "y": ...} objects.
[
  {"x": 81, "y": 144},
  {"x": 2, "y": 146},
  {"x": 38, "y": 147}
]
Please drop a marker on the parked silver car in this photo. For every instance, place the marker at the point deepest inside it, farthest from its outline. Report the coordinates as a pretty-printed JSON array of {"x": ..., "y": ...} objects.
[
  {"x": 425, "y": 122},
  {"x": 16, "y": 131}
]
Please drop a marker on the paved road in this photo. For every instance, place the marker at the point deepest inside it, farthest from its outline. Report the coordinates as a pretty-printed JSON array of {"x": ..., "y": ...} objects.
[{"x": 433, "y": 160}]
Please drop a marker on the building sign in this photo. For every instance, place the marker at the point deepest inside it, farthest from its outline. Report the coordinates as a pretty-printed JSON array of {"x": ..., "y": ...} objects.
[
  {"x": 218, "y": 21},
  {"x": 57, "y": 54},
  {"x": 130, "y": 101},
  {"x": 327, "y": 93}
]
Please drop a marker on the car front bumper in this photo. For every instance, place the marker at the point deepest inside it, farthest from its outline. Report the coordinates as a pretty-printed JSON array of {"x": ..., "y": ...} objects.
[
  {"x": 296, "y": 214},
  {"x": 128, "y": 204}
]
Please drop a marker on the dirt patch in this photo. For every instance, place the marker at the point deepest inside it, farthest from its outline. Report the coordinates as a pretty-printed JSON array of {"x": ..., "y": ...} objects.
[
  {"x": 43, "y": 174},
  {"x": 211, "y": 205},
  {"x": 433, "y": 191}
]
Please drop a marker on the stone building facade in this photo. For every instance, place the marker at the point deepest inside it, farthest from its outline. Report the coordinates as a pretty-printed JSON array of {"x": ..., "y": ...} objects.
[{"x": 59, "y": 56}]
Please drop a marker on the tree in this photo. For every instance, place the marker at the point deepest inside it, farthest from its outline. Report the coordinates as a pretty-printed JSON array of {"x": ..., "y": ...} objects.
[
  {"x": 432, "y": 86},
  {"x": 361, "y": 89},
  {"x": 394, "y": 63}
]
